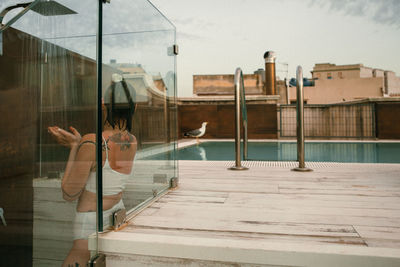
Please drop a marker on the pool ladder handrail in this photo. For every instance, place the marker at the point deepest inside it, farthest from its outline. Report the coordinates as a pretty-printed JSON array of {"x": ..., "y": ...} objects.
[
  {"x": 300, "y": 121},
  {"x": 241, "y": 112}
]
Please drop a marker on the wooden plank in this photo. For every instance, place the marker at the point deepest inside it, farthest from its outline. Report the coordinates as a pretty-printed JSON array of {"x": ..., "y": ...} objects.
[
  {"x": 382, "y": 243},
  {"x": 293, "y": 208},
  {"x": 154, "y": 261},
  {"x": 250, "y": 227},
  {"x": 355, "y": 192},
  {"x": 306, "y": 200},
  {"x": 349, "y": 207},
  {"x": 220, "y": 212},
  {"x": 192, "y": 199},
  {"x": 264, "y": 237},
  {"x": 378, "y": 232}
]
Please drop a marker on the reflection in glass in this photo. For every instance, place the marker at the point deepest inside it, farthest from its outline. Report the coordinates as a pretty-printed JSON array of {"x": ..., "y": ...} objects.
[
  {"x": 48, "y": 85},
  {"x": 79, "y": 179},
  {"x": 137, "y": 46}
]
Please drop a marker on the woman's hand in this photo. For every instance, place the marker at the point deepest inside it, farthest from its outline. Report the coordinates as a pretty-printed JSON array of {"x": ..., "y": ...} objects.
[{"x": 65, "y": 138}]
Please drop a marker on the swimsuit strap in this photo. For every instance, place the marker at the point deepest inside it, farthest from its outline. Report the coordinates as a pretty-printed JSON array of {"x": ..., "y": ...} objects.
[
  {"x": 105, "y": 144},
  {"x": 87, "y": 141}
]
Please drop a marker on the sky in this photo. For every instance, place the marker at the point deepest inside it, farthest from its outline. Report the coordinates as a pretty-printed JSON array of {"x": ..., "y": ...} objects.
[{"x": 217, "y": 36}]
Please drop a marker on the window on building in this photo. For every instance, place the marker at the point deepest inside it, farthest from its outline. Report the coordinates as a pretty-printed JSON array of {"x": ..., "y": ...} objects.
[{"x": 329, "y": 75}]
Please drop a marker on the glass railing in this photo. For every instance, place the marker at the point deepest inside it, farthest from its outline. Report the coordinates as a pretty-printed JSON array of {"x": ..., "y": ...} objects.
[
  {"x": 48, "y": 82},
  {"x": 138, "y": 50}
]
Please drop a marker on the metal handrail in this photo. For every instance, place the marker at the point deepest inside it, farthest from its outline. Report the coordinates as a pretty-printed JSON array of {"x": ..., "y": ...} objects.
[
  {"x": 300, "y": 121},
  {"x": 244, "y": 116},
  {"x": 241, "y": 112}
]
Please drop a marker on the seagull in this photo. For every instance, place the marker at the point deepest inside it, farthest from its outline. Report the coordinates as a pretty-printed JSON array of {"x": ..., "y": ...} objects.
[{"x": 197, "y": 133}]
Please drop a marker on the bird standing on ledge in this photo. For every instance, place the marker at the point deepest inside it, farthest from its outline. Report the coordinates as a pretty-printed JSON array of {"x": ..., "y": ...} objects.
[{"x": 197, "y": 133}]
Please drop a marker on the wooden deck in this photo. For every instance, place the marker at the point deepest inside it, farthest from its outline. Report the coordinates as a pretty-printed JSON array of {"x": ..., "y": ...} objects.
[{"x": 337, "y": 215}]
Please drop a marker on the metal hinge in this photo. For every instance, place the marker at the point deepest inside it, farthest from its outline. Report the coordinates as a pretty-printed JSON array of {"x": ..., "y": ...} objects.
[
  {"x": 176, "y": 49},
  {"x": 174, "y": 182},
  {"x": 119, "y": 218},
  {"x": 155, "y": 192},
  {"x": 173, "y": 50},
  {"x": 3, "y": 220},
  {"x": 98, "y": 261}
]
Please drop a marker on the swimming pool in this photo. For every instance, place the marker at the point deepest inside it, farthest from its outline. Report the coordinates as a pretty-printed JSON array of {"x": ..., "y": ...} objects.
[{"x": 362, "y": 152}]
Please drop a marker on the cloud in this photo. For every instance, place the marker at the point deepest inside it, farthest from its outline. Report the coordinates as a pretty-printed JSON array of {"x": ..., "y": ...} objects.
[
  {"x": 188, "y": 36},
  {"x": 386, "y": 12},
  {"x": 189, "y": 28},
  {"x": 192, "y": 22}
]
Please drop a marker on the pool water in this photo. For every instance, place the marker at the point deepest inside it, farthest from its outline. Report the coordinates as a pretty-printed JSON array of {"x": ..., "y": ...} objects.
[{"x": 362, "y": 152}]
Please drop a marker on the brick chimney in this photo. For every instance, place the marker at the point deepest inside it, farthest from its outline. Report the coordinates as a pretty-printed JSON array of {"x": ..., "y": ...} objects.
[{"x": 270, "y": 73}]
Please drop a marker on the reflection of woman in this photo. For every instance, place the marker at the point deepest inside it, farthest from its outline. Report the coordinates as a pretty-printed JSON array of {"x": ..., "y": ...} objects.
[{"x": 79, "y": 180}]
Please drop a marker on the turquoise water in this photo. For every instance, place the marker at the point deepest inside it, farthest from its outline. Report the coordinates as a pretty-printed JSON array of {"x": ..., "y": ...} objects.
[{"x": 287, "y": 151}]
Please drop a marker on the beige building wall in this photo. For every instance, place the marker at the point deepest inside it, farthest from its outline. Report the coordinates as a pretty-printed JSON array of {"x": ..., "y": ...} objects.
[
  {"x": 333, "y": 84},
  {"x": 282, "y": 91},
  {"x": 366, "y": 72},
  {"x": 214, "y": 85},
  {"x": 325, "y": 71},
  {"x": 393, "y": 83},
  {"x": 339, "y": 90},
  {"x": 224, "y": 84},
  {"x": 349, "y": 74},
  {"x": 378, "y": 73}
]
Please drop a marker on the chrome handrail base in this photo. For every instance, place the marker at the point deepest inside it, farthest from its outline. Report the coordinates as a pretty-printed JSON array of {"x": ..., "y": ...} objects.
[
  {"x": 299, "y": 169},
  {"x": 238, "y": 168}
]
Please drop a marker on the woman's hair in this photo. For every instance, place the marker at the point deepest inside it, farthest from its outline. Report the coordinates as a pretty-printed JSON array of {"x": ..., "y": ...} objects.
[{"x": 119, "y": 101}]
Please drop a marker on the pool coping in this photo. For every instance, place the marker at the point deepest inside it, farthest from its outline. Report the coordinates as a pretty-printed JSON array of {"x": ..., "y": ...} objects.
[
  {"x": 293, "y": 164},
  {"x": 188, "y": 142}
]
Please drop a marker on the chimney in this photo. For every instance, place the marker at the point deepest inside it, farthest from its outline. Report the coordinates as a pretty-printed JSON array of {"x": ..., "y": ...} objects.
[{"x": 270, "y": 74}]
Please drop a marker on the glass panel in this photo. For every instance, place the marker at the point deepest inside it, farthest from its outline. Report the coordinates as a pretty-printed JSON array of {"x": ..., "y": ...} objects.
[
  {"x": 48, "y": 79},
  {"x": 47, "y": 82},
  {"x": 138, "y": 56}
]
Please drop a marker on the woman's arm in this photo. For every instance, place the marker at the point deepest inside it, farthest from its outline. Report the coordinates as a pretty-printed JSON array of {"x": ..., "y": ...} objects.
[{"x": 80, "y": 161}]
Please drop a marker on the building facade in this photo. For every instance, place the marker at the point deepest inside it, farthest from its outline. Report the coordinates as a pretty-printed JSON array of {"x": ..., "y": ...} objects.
[{"x": 338, "y": 83}]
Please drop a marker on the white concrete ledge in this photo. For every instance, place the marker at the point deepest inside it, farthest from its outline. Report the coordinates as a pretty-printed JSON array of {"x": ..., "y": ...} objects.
[{"x": 245, "y": 252}]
